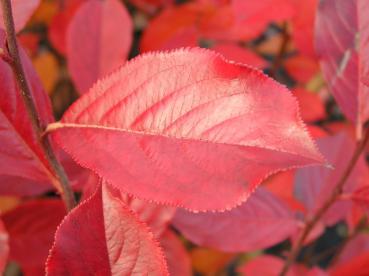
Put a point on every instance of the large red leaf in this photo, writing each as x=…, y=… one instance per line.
x=260, y=222
x=314, y=185
x=342, y=34
x=31, y=227
x=103, y=237
x=4, y=247
x=22, y=11
x=20, y=153
x=98, y=40
x=169, y=124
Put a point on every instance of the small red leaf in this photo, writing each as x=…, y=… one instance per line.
x=302, y=68
x=311, y=105
x=260, y=222
x=151, y=6
x=281, y=185
x=161, y=134
x=303, y=26
x=31, y=227
x=361, y=196
x=355, y=247
x=98, y=40
x=179, y=263
x=58, y=27
x=102, y=237
x=342, y=33
x=252, y=17
x=174, y=27
x=22, y=11
x=265, y=265
x=357, y=266
x=314, y=185
x=268, y=265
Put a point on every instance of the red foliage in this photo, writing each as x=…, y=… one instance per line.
x=342, y=33
x=105, y=225
x=31, y=227
x=166, y=152
x=98, y=40
x=234, y=230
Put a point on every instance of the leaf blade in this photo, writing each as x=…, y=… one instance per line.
x=201, y=131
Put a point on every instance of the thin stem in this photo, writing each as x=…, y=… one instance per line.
x=331, y=199
x=57, y=169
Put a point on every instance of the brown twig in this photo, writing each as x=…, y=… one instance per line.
x=331, y=199
x=57, y=169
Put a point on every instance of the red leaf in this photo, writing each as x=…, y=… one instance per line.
x=31, y=227
x=57, y=30
x=174, y=27
x=151, y=6
x=167, y=134
x=243, y=55
x=21, y=155
x=4, y=247
x=361, y=196
x=303, y=26
x=342, y=33
x=311, y=105
x=101, y=236
x=268, y=265
x=252, y=17
x=314, y=185
x=357, y=266
x=98, y=40
x=302, y=68
x=19, y=186
x=22, y=11
x=234, y=231
x=356, y=246
x=179, y=263
x=265, y=265
x=281, y=185
x=157, y=217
